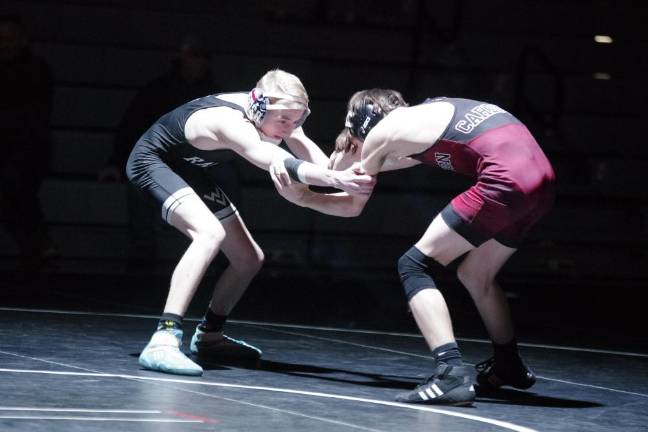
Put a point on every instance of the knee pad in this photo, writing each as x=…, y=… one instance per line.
x=413, y=269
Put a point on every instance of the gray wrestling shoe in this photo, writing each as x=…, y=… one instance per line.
x=216, y=345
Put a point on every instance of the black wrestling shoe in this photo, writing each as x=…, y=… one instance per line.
x=514, y=372
x=448, y=385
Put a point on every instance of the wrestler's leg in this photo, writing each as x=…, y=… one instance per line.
x=477, y=273
x=191, y=217
x=451, y=381
x=245, y=260
x=442, y=245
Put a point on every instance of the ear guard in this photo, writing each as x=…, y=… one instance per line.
x=361, y=123
x=259, y=104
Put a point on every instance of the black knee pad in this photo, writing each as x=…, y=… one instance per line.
x=414, y=268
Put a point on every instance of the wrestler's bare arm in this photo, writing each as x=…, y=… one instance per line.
x=305, y=148
x=404, y=132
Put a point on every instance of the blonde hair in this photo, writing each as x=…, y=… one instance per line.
x=280, y=85
x=386, y=100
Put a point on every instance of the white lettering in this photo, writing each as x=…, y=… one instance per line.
x=476, y=116
x=216, y=196
x=198, y=161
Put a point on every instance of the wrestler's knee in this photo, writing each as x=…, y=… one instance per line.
x=250, y=262
x=209, y=237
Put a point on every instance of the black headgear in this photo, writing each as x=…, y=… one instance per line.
x=361, y=122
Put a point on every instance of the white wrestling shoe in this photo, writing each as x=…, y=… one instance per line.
x=163, y=354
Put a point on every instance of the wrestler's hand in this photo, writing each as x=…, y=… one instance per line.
x=278, y=173
x=354, y=181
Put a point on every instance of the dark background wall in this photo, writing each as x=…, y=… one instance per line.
x=583, y=267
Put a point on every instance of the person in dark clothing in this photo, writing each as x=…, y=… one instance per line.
x=25, y=107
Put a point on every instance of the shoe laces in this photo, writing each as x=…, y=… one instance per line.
x=486, y=365
x=441, y=371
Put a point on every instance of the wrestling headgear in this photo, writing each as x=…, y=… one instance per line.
x=361, y=122
x=259, y=103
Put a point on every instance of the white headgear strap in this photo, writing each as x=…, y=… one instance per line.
x=259, y=103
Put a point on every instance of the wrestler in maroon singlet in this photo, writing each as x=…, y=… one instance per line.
x=515, y=181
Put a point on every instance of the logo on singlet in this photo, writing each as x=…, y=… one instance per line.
x=444, y=161
x=198, y=161
x=217, y=196
x=477, y=116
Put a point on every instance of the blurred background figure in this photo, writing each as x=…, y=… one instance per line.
x=25, y=107
x=188, y=77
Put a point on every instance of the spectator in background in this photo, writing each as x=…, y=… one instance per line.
x=25, y=107
x=188, y=77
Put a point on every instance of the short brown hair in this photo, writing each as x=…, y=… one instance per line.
x=386, y=100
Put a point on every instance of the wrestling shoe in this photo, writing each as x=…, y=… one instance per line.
x=448, y=385
x=216, y=345
x=163, y=354
x=514, y=372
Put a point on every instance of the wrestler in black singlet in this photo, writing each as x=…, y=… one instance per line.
x=164, y=164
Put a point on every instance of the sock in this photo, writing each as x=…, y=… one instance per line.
x=212, y=322
x=448, y=353
x=507, y=351
x=169, y=321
